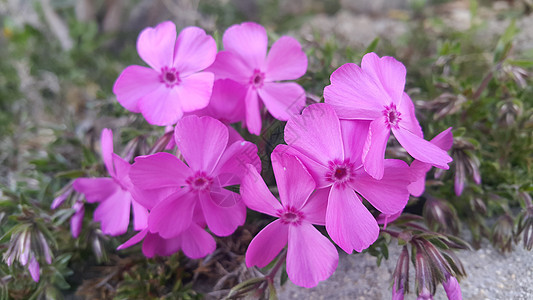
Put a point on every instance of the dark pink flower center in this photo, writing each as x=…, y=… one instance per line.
x=199, y=181
x=289, y=215
x=340, y=172
x=392, y=116
x=257, y=79
x=169, y=76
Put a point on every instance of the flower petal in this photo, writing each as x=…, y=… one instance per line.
x=354, y=134
x=196, y=242
x=95, y=189
x=173, y=215
x=227, y=101
x=134, y=239
x=229, y=65
x=452, y=288
x=267, y=244
x=311, y=257
x=76, y=221
x=316, y=169
x=387, y=73
x=390, y=194
x=150, y=197
x=316, y=133
x=232, y=165
x=282, y=100
x=418, y=173
x=201, y=141
x=315, y=208
x=156, y=45
x=295, y=184
x=348, y=222
x=443, y=140
x=34, y=269
x=408, y=116
x=114, y=213
x=162, y=106
x=122, y=170
x=195, y=90
x=106, y=142
x=222, y=221
x=354, y=95
x=256, y=194
x=158, y=170
x=154, y=245
x=194, y=50
x=140, y=216
x=285, y=60
x=253, y=113
x=421, y=149
x=248, y=40
x=133, y=84
x=375, y=145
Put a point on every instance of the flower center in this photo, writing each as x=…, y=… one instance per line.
x=169, y=76
x=257, y=79
x=392, y=116
x=340, y=172
x=199, y=181
x=290, y=215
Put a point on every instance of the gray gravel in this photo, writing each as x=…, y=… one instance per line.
x=490, y=275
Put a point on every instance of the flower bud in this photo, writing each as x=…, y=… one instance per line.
x=441, y=216
x=502, y=235
x=401, y=276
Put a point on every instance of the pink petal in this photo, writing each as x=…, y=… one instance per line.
x=349, y=224
x=230, y=65
x=154, y=245
x=114, y=213
x=249, y=41
x=201, y=141
x=390, y=194
x=156, y=45
x=408, y=117
x=354, y=134
x=162, y=106
x=282, y=100
x=196, y=242
x=34, y=269
x=173, y=215
x=140, y=216
x=106, y=142
x=354, y=95
x=194, y=51
x=375, y=145
x=315, y=208
x=385, y=219
x=256, y=194
x=134, y=239
x=222, y=221
x=158, y=170
x=316, y=133
x=421, y=149
x=253, y=114
x=387, y=73
x=295, y=184
x=76, y=221
x=134, y=83
x=150, y=197
x=223, y=197
x=122, y=170
x=311, y=257
x=418, y=174
x=267, y=244
x=453, y=289
x=232, y=165
x=316, y=169
x=195, y=90
x=444, y=140
x=227, y=101
x=285, y=60
x=95, y=189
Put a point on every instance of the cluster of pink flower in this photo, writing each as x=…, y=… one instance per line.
x=334, y=155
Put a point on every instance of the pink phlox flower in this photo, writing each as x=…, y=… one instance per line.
x=331, y=150
x=245, y=60
x=112, y=193
x=174, y=83
x=375, y=92
x=443, y=140
x=311, y=257
x=227, y=102
x=452, y=288
x=212, y=164
x=194, y=241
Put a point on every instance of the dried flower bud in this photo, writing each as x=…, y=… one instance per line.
x=441, y=216
x=478, y=205
x=502, y=235
x=464, y=161
x=425, y=285
x=444, y=105
x=508, y=111
x=400, y=284
x=525, y=222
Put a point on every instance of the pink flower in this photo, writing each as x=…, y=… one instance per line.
x=452, y=288
x=76, y=221
x=174, y=84
x=113, y=193
x=227, y=102
x=375, y=92
x=331, y=151
x=212, y=164
x=310, y=256
x=443, y=140
x=194, y=241
x=245, y=60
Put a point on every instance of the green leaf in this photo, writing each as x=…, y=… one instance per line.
x=372, y=46
x=284, y=276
